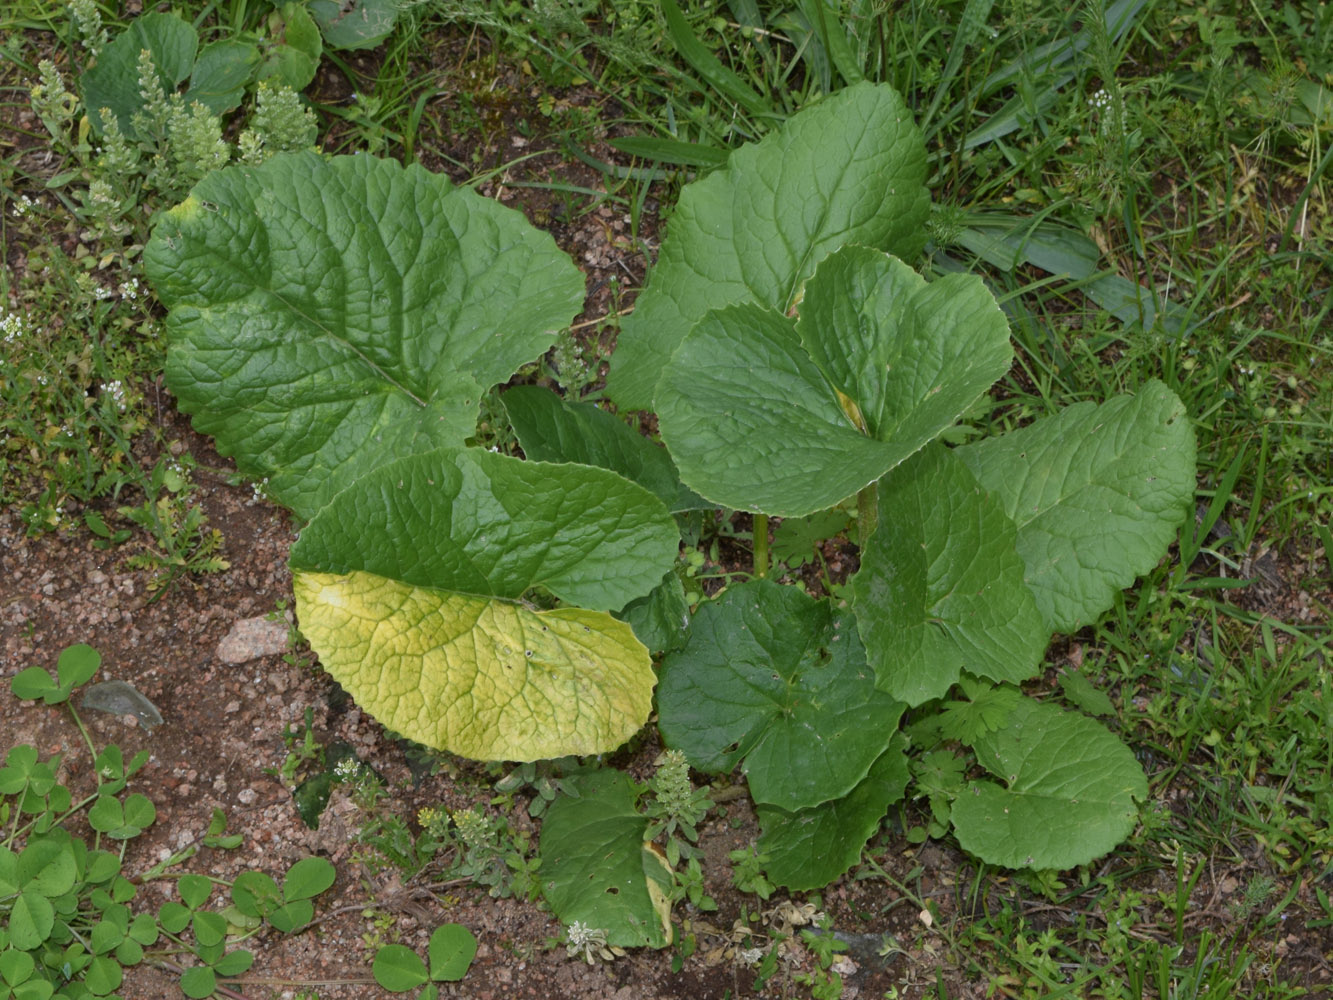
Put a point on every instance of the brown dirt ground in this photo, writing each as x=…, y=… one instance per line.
x=223, y=738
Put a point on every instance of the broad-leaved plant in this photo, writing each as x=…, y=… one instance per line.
x=333, y=323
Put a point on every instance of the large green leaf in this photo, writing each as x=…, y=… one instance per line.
x=113, y=81
x=808, y=849
x=355, y=24
x=940, y=589
x=293, y=54
x=220, y=74
x=773, y=677
x=1097, y=492
x=552, y=429
x=328, y=315
x=848, y=170
x=598, y=870
x=408, y=586
x=1069, y=794
x=765, y=414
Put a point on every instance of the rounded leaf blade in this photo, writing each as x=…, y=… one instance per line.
x=774, y=678
x=1068, y=797
x=452, y=949
x=1097, y=493
x=486, y=679
x=786, y=417
x=329, y=314
x=398, y=968
x=753, y=425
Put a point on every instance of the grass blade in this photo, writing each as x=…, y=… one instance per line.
x=707, y=65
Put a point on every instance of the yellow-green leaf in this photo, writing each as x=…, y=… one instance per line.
x=484, y=678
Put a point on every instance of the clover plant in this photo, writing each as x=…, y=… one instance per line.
x=333, y=323
x=68, y=926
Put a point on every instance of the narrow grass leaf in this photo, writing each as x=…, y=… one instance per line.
x=708, y=66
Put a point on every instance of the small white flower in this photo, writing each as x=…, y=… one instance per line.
x=347, y=770
x=115, y=390
x=587, y=942
x=14, y=327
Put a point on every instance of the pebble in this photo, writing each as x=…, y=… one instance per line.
x=252, y=638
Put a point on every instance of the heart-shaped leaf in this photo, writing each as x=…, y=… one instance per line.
x=940, y=589
x=418, y=612
x=355, y=24
x=31, y=918
x=295, y=57
x=398, y=968
x=308, y=878
x=786, y=417
x=113, y=81
x=328, y=315
x=220, y=74
x=46, y=865
x=1097, y=492
x=1069, y=792
x=199, y=982
x=598, y=870
x=777, y=679
x=851, y=169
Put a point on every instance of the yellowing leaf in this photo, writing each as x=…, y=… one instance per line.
x=485, y=678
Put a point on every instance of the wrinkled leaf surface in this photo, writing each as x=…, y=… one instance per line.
x=331, y=314
x=771, y=677
x=418, y=615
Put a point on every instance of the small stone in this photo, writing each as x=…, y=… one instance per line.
x=232, y=706
x=251, y=638
x=246, y=796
